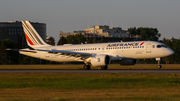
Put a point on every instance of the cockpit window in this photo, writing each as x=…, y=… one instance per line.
x=160, y=46
x=164, y=46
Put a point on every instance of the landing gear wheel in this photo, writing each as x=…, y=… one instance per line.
x=104, y=67
x=87, y=67
x=159, y=60
x=159, y=66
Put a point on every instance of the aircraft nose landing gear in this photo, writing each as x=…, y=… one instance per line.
x=159, y=65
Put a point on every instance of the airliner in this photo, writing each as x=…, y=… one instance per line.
x=97, y=55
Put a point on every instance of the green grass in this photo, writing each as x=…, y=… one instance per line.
x=154, y=98
x=60, y=81
x=89, y=87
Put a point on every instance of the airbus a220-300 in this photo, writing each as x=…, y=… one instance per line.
x=97, y=55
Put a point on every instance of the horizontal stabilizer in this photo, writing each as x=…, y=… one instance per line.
x=23, y=50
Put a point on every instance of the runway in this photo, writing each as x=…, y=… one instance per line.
x=119, y=71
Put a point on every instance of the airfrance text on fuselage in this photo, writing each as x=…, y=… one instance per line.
x=123, y=44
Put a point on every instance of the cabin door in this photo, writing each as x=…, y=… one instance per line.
x=148, y=48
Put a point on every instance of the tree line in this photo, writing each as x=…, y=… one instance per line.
x=145, y=33
x=79, y=39
x=13, y=57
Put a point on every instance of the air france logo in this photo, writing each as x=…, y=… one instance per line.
x=124, y=44
x=141, y=43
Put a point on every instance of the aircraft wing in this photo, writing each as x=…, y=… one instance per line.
x=78, y=55
x=67, y=53
x=81, y=55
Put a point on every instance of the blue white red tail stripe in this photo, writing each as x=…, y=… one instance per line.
x=32, y=37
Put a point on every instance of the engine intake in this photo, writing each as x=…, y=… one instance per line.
x=100, y=60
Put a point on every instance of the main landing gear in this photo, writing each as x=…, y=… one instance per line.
x=87, y=67
x=159, y=65
x=104, y=67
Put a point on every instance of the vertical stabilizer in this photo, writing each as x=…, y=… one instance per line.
x=32, y=37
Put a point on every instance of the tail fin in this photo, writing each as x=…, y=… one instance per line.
x=32, y=37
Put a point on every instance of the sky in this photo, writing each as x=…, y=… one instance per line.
x=73, y=15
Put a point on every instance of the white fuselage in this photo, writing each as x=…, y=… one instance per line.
x=117, y=51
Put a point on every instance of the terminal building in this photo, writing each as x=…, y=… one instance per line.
x=13, y=30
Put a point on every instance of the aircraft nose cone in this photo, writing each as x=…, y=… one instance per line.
x=172, y=52
x=169, y=52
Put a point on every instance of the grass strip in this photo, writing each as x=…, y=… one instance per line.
x=88, y=87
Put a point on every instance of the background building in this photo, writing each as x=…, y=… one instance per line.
x=13, y=30
x=113, y=34
x=104, y=30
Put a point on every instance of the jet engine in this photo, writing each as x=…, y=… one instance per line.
x=100, y=60
x=128, y=62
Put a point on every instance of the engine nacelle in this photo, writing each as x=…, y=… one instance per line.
x=100, y=60
x=128, y=62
